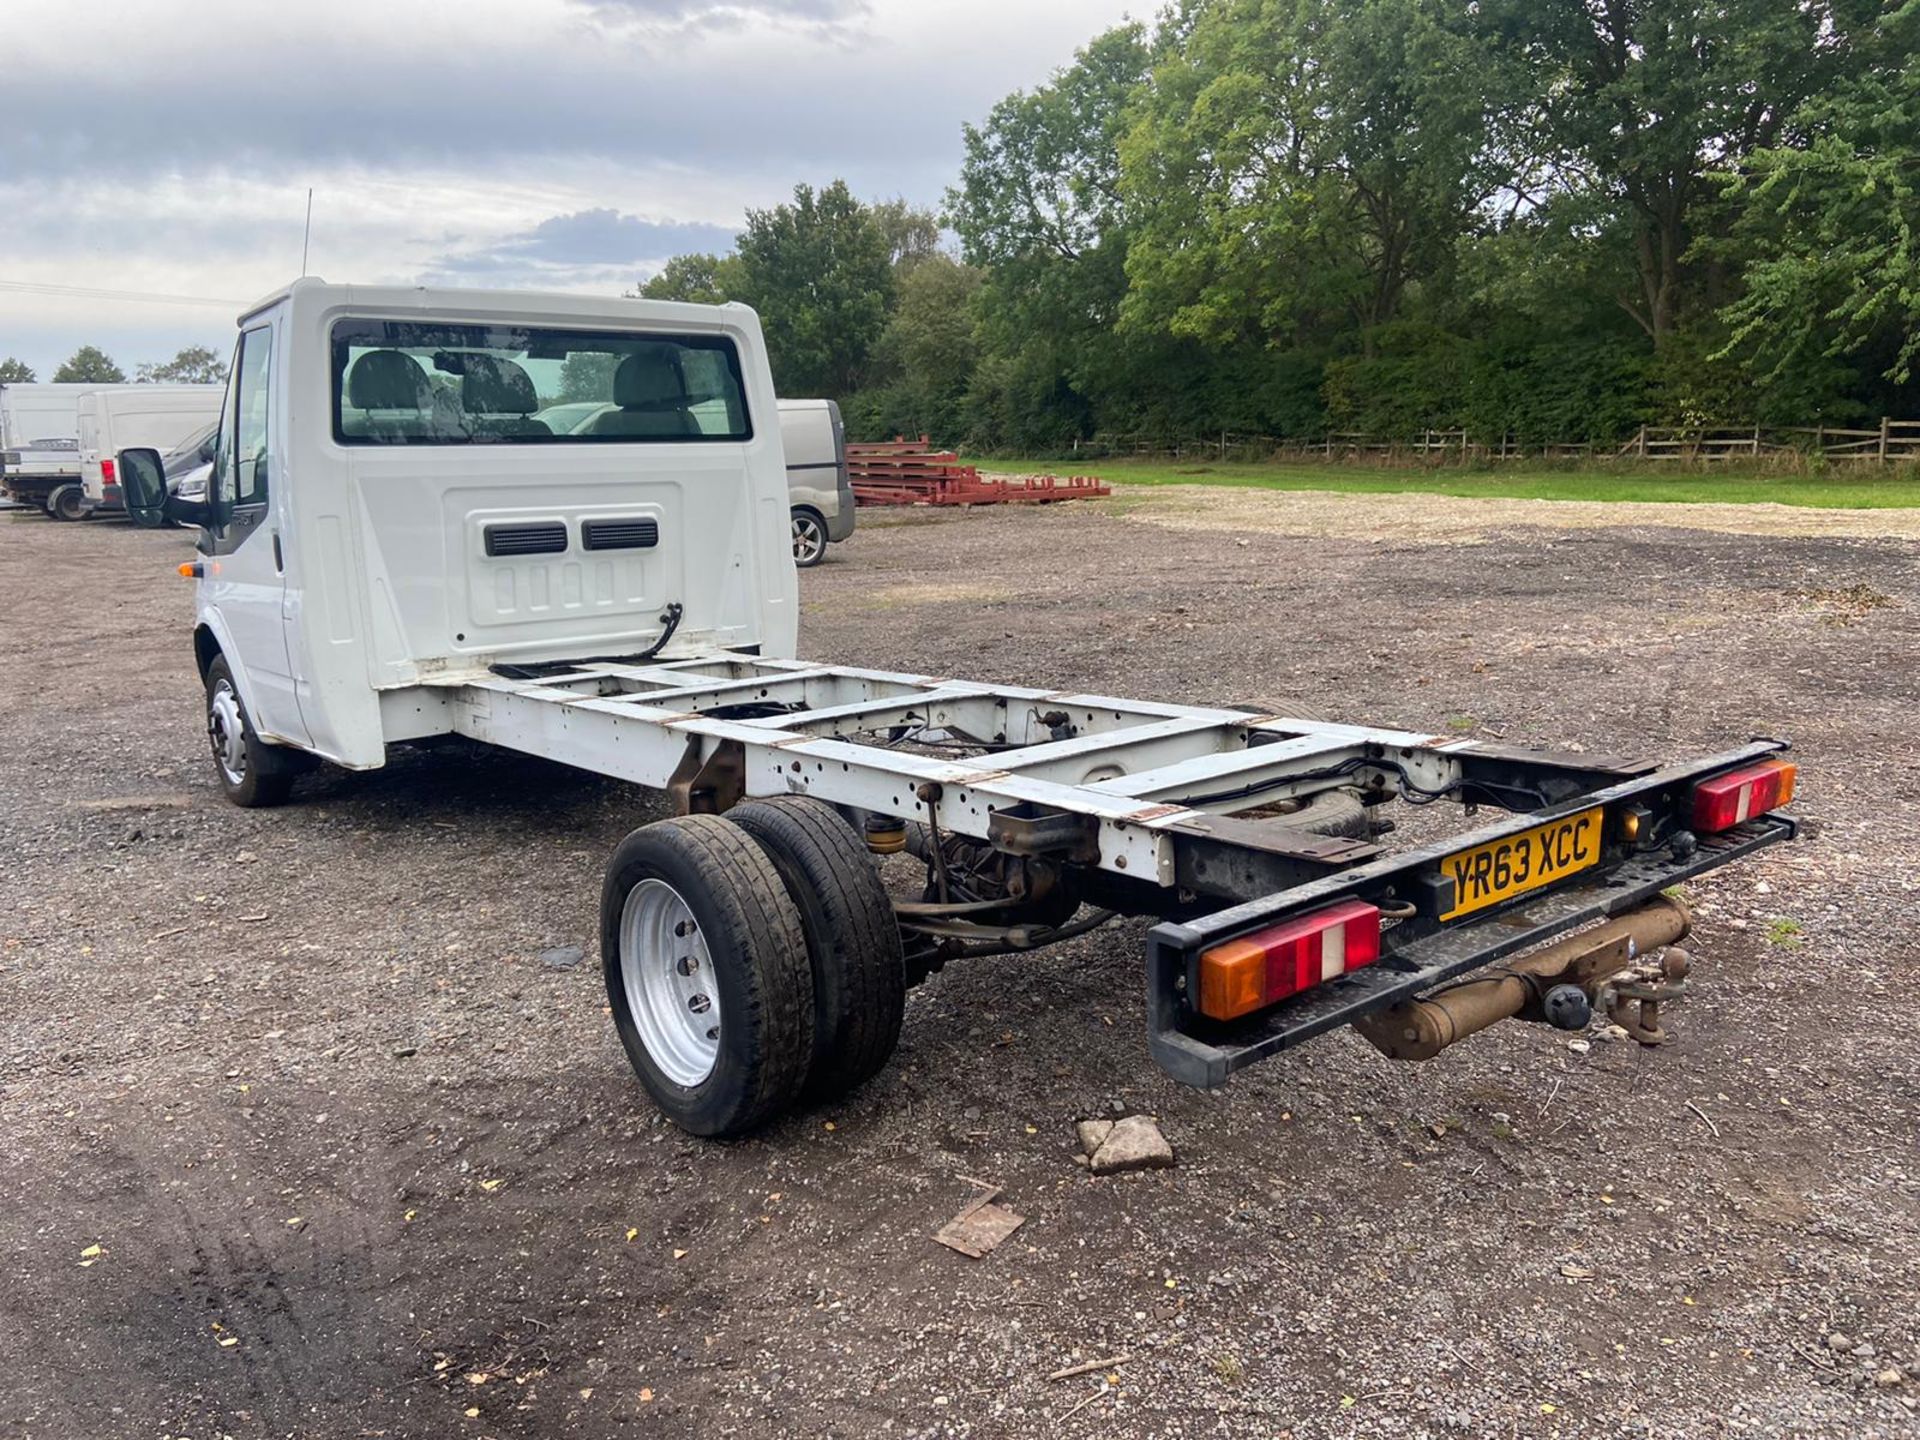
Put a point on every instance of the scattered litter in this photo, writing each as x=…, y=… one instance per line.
x=980, y=1226
x=491, y=1185
x=1087, y=1369
x=1576, y=1272
x=562, y=957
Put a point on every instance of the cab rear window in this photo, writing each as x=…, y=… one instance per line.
x=398, y=382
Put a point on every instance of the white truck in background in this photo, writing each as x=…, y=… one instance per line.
x=112, y=418
x=40, y=447
x=819, y=484
x=393, y=547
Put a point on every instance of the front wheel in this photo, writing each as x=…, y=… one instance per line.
x=707, y=974
x=809, y=539
x=253, y=774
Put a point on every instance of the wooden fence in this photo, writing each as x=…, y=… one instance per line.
x=1891, y=442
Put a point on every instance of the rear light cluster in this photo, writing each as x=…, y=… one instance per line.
x=1724, y=801
x=107, y=471
x=1257, y=970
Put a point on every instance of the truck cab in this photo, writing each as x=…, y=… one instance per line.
x=384, y=507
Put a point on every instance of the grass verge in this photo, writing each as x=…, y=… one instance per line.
x=1846, y=490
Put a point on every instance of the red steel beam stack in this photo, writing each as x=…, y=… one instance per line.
x=912, y=472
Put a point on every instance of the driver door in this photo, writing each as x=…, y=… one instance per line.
x=245, y=573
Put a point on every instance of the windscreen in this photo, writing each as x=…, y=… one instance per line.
x=402, y=382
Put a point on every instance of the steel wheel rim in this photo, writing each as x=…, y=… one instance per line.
x=807, y=539
x=227, y=733
x=667, y=973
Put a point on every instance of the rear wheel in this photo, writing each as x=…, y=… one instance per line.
x=707, y=974
x=859, y=970
x=253, y=774
x=809, y=539
x=67, y=502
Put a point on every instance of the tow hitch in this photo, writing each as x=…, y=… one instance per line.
x=1606, y=968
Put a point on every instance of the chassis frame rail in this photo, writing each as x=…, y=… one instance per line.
x=1142, y=789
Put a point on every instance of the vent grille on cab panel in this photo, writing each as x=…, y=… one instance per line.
x=545, y=537
x=631, y=534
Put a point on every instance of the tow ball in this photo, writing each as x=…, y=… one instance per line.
x=1632, y=999
x=1607, y=968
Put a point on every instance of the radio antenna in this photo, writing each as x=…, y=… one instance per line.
x=306, y=234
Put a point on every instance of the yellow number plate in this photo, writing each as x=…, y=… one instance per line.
x=1501, y=869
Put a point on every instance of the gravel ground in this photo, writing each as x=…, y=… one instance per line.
x=358, y=1162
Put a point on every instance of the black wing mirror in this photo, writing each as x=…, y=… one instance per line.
x=143, y=489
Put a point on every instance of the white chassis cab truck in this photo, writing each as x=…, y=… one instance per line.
x=392, y=547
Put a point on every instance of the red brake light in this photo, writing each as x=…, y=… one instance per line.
x=1248, y=974
x=107, y=471
x=1724, y=801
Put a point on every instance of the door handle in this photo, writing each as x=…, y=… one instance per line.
x=279, y=561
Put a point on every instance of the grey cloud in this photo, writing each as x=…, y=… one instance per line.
x=607, y=101
x=598, y=237
x=686, y=14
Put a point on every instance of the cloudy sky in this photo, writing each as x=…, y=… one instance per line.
x=571, y=144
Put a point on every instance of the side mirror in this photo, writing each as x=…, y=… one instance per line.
x=143, y=487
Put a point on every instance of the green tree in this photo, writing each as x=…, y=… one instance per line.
x=702, y=279
x=913, y=233
x=89, y=365
x=1832, y=227
x=819, y=271
x=1300, y=165
x=1643, y=100
x=194, y=365
x=926, y=357
x=1039, y=209
x=15, y=372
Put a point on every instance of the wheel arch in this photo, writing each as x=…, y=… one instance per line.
x=206, y=649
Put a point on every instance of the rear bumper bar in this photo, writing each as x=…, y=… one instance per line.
x=1422, y=952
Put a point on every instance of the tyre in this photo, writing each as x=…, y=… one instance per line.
x=809, y=538
x=67, y=502
x=253, y=774
x=707, y=974
x=859, y=969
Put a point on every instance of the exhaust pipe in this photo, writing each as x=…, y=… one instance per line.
x=1556, y=985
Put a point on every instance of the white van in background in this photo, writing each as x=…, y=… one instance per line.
x=39, y=447
x=818, y=483
x=122, y=417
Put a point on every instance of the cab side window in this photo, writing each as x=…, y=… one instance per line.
x=250, y=417
x=220, y=482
